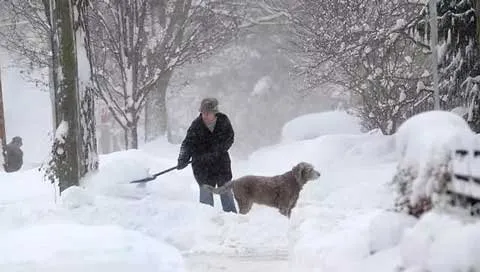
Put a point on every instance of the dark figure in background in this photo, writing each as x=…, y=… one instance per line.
x=13, y=155
x=207, y=142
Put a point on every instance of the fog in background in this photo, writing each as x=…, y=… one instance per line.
x=253, y=77
x=254, y=81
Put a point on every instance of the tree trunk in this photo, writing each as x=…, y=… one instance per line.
x=88, y=155
x=475, y=120
x=156, y=109
x=74, y=148
x=476, y=7
x=131, y=136
x=65, y=151
x=49, y=14
x=3, y=136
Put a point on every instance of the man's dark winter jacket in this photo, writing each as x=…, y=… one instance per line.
x=209, y=150
x=13, y=157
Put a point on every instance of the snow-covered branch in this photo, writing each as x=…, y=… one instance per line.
x=137, y=43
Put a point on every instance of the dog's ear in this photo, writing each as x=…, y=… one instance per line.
x=298, y=172
x=303, y=172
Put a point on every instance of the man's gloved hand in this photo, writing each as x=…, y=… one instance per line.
x=181, y=164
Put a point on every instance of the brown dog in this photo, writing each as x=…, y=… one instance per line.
x=280, y=191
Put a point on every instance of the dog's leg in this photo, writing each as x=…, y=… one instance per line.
x=283, y=211
x=292, y=204
x=244, y=206
x=288, y=211
x=283, y=203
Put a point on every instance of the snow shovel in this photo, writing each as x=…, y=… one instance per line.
x=154, y=176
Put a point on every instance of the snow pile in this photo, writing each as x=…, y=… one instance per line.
x=166, y=209
x=118, y=169
x=188, y=225
x=324, y=152
x=76, y=197
x=425, y=144
x=321, y=152
x=317, y=124
x=349, y=240
x=386, y=230
x=72, y=247
x=23, y=186
x=319, y=243
x=115, y=172
x=372, y=148
x=384, y=241
x=436, y=242
x=443, y=243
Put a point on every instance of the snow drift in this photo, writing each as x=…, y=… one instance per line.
x=441, y=242
x=313, y=125
x=72, y=247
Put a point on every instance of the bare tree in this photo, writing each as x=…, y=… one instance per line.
x=131, y=61
x=137, y=46
x=389, y=82
x=363, y=46
x=26, y=32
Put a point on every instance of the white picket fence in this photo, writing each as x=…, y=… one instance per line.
x=465, y=181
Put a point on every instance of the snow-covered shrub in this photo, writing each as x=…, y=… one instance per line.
x=424, y=146
x=314, y=125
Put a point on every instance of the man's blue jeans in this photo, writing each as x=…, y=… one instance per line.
x=228, y=204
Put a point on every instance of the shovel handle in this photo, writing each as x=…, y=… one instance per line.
x=154, y=176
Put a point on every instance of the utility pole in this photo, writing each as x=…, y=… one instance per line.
x=433, y=45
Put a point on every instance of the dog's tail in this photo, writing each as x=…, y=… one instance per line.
x=220, y=190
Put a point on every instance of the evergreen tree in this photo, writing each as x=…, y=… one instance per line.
x=458, y=54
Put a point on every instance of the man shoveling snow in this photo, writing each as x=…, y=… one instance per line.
x=207, y=142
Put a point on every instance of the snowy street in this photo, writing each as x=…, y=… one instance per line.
x=214, y=263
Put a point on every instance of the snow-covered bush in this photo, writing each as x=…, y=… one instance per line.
x=314, y=125
x=424, y=144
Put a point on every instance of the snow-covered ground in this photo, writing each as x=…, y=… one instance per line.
x=343, y=221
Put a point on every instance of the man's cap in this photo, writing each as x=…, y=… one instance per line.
x=209, y=104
